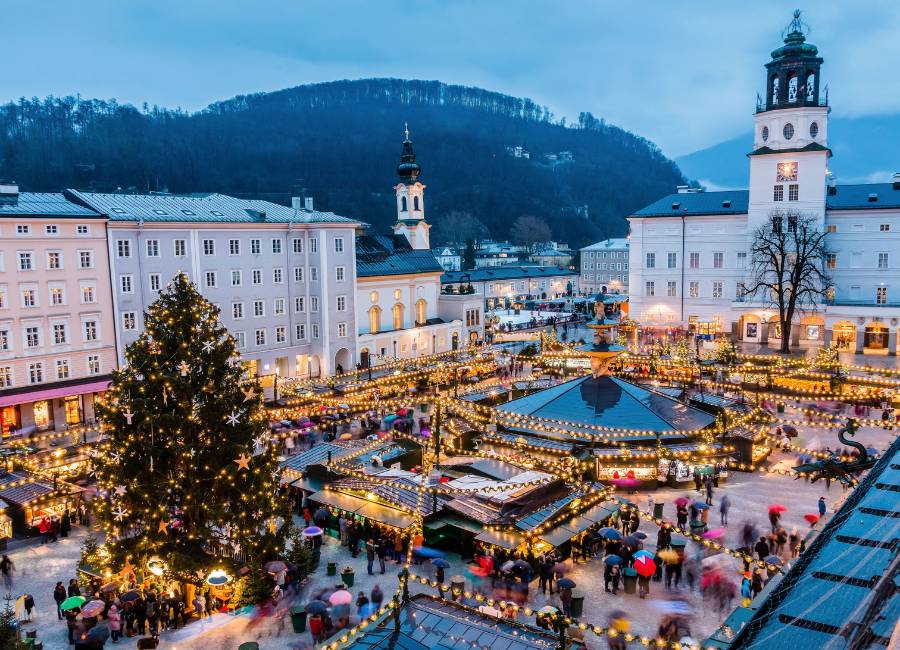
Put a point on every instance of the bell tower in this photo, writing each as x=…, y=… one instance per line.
x=788, y=164
x=411, y=198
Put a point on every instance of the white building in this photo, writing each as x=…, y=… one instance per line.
x=448, y=257
x=604, y=267
x=398, y=284
x=689, y=252
x=508, y=286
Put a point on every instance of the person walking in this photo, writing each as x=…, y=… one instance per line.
x=709, y=490
x=376, y=597
x=6, y=568
x=724, y=507
x=370, y=555
x=44, y=529
x=822, y=507
x=59, y=595
x=381, y=550
x=762, y=548
x=199, y=605
x=115, y=623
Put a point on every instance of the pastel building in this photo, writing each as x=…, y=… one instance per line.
x=57, y=335
x=604, y=266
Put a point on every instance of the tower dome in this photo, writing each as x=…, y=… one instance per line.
x=408, y=170
x=793, y=73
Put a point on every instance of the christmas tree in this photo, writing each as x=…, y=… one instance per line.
x=186, y=469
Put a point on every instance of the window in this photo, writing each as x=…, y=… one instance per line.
x=778, y=193
x=6, y=379
x=234, y=246
x=277, y=275
x=23, y=229
x=180, y=247
x=54, y=260
x=671, y=288
x=29, y=297
x=125, y=284
x=211, y=279
x=51, y=229
x=209, y=246
x=882, y=260
x=152, y=248
x=237, y=310
x=36, y=372
x=881, y=295
x=87, y=294
x=341, y=303
x=650, y=289
x=259, y=308
x=717, y=290
x=90, y=330
x=123, y=248
x=62, y=368
x=280, y=334
x=776, y=224
x=298, y=274
x=299, y=304
x=313, y=245
x=57, y=296
x=718, y=260
x=279, y=306
x=129, y=320
x=694, y=289
x=261, y=337
x=339, y=273
x=788, y=130
x=338, y=244
x=301, y=332
x=315, y=330
x=93, y=364
x=25, y=261
x=671, y=260
x=254, y=246
x=651, y=260
x=793, y=192
x=856, y=260
x=740, y=290
x=342, y=329
x=741, y=260
x=82, y=229
x=4, y=340
x=155, y=282
x=86, y=259
x=830, y=260
x=695, y=260
x=240, y=340
x=276, y=246
x=32, y=337
x=314, y=303
x=257, y=276
x=885, y=227
x=298, y=245
x=314, y=274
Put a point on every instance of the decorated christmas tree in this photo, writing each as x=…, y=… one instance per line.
x=187, y=474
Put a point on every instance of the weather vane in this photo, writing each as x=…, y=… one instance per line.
x=406, y=130
x=796, y=25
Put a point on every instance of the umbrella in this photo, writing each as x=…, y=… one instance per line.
x=402, y=412
x=773, y=559
x=521, y=564
x=669, y=556
x=811, y=518
x=507, y=566
x=109, y=587
x=645, y=566
x=701, y=505
x=641, y=535
x=275, y=566
x=441, y=563
x=312, y=531
x=681, y=501
x=340, y=611
x=631, y=541
x=561, y=568
x=610, y=533
x=72, y=602
x=777, y=507
x=673, y=607
x=341, y=597
x=547, y=609
x=98, y=634
x=789, y=430
x=93, y=608
x=714, y=533
x=612, y=560
x=565, y=583
x=128, y=596
x=642, y=553
x=424, y=551
x=316, y=607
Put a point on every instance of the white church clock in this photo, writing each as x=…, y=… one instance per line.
x=787, y=172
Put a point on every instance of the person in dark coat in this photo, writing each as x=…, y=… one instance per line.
x=74, y=589
x=66, y=524
x=762, y=548
x=59, y=595
x=663, y=537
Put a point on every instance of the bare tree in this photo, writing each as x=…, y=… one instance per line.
x=788, y=267
x=529, y=230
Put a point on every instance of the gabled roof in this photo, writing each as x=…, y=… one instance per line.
x=606, y=244
x=505, y=273
x=392, y=255
x=697, y=203
x=197, y=208
x=44, y=204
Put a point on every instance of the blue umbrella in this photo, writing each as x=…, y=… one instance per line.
x=424, y=551
x=612, y=560
x=439, y=562
x=700, y=505
x=643, y=553
x=610, y=533
x=316, y=607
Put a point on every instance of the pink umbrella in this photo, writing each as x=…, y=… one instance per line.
x=681, y=501
x=93, y=608
x=341, y=597
x=714, y=533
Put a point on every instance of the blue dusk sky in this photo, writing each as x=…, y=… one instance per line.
x=683, y=74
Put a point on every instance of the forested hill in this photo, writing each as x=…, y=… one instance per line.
x=341, y=140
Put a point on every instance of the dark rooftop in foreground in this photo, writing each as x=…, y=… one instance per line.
x=392, y=255
x=610, y=402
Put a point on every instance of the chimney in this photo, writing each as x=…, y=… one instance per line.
x=897, y=180
x=308, y=203
x=9, y=191
x=832, y=184
x=297, y=202
x=682, y=189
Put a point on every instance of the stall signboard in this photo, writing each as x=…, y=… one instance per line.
x=623, y=473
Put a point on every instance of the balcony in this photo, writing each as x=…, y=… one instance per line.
x=844, y=302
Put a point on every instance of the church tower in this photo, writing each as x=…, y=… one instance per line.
x=411, y=199
x=788, y=164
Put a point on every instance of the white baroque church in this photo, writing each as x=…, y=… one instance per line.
x=690, y=251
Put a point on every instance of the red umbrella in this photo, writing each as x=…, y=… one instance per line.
x=402, y=412
x=811, y=518
x=645, y=566
x=777, y=507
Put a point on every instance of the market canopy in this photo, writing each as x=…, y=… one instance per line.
x=386, y=515
x=505, y=539
x=338, y=500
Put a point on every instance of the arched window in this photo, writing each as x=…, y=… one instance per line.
x=776, y=82
x=374, y=320
x=421, y=316
x=416, y=203
x=398, y=316
x=810, y=87
x=792, y=89
x=402, y=204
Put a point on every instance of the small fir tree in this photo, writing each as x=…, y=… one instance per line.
x=186, y=469
x=9, y=627
x=300, y=555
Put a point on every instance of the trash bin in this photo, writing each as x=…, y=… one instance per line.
x=298, y=618
x=577, y=607
x=457, y=586
x=630, y=578
x=781, y=407
x=698, y=527
x=332, y=568
x=658, y=509
x=249, y=645
x=347, y=578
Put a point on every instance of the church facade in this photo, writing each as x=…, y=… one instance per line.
x=690, y=254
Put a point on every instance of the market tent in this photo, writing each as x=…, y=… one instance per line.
x=386, y=515
x=508, y=540
x=566, y=531
x=339, y=500
x=600, y=511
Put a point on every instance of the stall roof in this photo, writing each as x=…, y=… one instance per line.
x=338, y=500
x=386, y=515
x=544, y=443
x=509, y=540
x=20, y=488
x=318, y=454
x=363, y=507
x=401, y=492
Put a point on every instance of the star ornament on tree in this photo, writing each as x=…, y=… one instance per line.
x=119, y=490
x=243, y=461
x=234, y=418
x=163, y=527
x=120, y=513
x=208, y=347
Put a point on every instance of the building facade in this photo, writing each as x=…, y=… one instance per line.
x=604, y=267
x=507, y=286
x=57, y=335
x=690, y=256
x=448, y=257
x=282, y=277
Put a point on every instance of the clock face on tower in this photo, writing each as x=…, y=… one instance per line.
x=787, y=172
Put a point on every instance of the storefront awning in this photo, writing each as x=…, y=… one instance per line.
x=385, y=515
x=600, y=512
x=338, y=500
x=507, y=540
x=54, y=393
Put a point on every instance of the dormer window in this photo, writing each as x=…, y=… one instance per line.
x=726, y=204
x=161, y=213
x=675, y=206
x=873, y=197
x=188, y=213
x=118, y=210
x=216, y=213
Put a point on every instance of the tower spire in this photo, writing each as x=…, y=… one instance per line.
x=408, y=170
x=406, y=131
